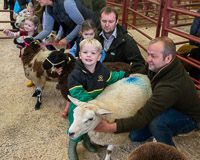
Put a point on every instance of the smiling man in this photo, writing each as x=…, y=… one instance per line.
x=117, y=43
x=174, y=105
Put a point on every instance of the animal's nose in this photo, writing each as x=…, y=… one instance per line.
x=16, y=24
x=71, y=134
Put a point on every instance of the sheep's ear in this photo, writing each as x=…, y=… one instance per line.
x=62, y=50
x=103, y=112
x=75, y=101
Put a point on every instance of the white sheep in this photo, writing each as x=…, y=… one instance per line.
x=119, y=100
x=20, y=18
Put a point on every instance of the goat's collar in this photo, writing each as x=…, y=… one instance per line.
x=26, y=44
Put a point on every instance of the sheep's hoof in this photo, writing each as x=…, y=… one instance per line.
x=37, y=92
x=37, y=106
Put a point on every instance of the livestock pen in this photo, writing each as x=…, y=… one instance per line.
x=41, y=135
x=171, y=18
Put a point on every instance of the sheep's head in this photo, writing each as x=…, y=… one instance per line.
x=56, y=59
x=20, y=18
x=86, y=117
x=19, y=23
x=24, y=41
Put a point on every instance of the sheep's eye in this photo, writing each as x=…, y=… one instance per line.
x=90, y=119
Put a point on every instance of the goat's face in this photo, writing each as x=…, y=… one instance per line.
x=86, y=117
x=55, y=59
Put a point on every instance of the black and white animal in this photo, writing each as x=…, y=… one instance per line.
x=119, y=100
x=32, y=59
x=67, y=62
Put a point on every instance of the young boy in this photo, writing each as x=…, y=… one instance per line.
x=86, y=81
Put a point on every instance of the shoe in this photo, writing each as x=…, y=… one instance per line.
x=87, y=144
x=57, y=87
x=72, y=150
x=30, y=84
x=5, y=6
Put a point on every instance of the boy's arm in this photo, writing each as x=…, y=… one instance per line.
x=115, y=76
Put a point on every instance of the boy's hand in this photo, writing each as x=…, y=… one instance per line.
x=58, y=70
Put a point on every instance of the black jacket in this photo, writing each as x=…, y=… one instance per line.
x=124, y=49
x=171, y=87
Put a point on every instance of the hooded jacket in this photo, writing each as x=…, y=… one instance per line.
x=171, y=87
x=85, y=86
x=124, y=49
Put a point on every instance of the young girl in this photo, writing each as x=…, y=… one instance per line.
x=88, y=30
x=30, y=29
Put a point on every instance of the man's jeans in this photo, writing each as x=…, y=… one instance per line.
x=163, y=127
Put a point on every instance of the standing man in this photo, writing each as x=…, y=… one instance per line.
x=174, y=106
x=195, y=29
x=117, y=43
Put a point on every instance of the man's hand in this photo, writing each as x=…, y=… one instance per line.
x=106, y=127
x=63, y=42
x=133, y=75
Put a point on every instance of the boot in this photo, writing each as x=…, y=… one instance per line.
x=72, y=150
x=30, y=84
x=87, y=144
x=5, y=6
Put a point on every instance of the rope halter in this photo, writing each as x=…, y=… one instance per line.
x=26, y=44
x=55, y=64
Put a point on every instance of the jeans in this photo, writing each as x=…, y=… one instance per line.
x=164, y=126
x=11, y=6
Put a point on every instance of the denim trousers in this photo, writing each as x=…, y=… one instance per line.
x=166, y=125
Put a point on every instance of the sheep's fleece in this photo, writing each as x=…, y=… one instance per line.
x=123, y=98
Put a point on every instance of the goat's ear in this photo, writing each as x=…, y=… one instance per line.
x=75, y=101
x=103, y=112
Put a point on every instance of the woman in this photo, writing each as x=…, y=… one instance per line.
x=69, y=14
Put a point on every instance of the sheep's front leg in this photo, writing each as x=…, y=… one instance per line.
x=39, y=100
x=38, y=94
x=109, y=151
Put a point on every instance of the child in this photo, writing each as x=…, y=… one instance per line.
x=30, y=29
x=88, y=30
x=86, y=81
x=19, y=6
